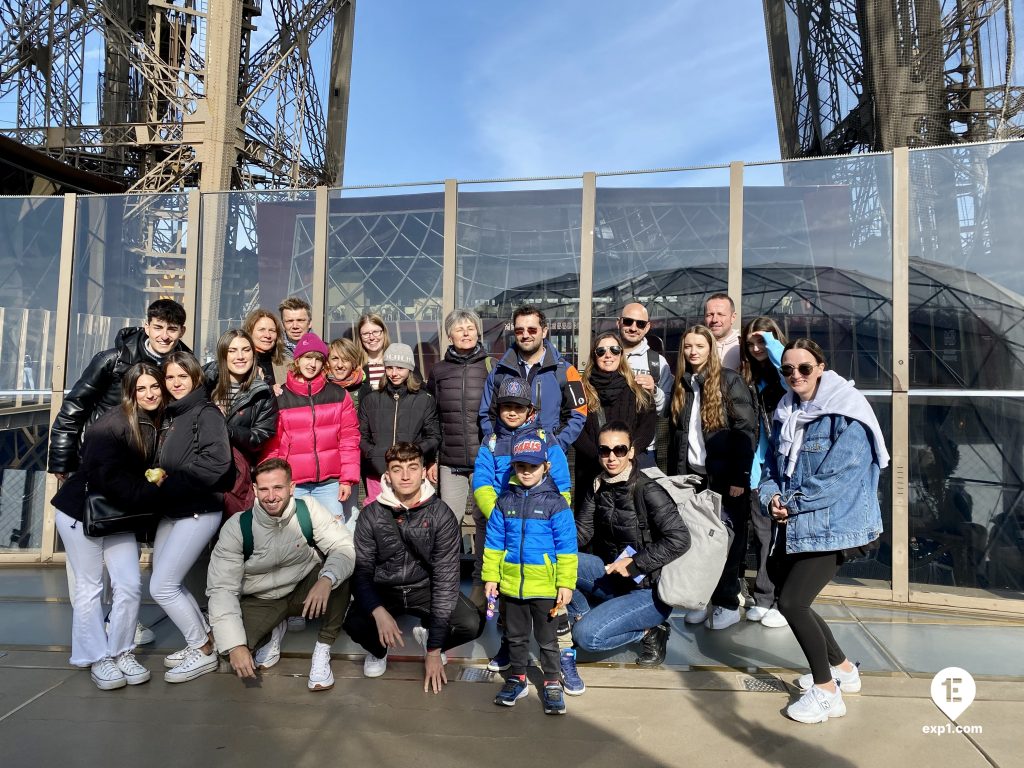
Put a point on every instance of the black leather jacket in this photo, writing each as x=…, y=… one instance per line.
x=252, y=417
x=97, y=390
x=396, y=415
x=457, y=383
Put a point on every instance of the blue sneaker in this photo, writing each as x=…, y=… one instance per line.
x=554, y=703
x=512, y=691
x=501, y=660
x=571, y=680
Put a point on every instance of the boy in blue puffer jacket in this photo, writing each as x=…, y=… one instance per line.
x=531, y=552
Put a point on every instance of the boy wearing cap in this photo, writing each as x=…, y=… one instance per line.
x=401, y=411
x=530, y=557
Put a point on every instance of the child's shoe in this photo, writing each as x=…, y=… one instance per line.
x=554, y=702
x=501, y=660
x=572, y=683
x=514, y=689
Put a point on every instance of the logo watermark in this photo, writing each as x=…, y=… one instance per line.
x=953, y=691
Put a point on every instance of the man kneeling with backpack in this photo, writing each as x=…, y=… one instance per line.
x=284, y=557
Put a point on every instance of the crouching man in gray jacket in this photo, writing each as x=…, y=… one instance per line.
x=267, y=566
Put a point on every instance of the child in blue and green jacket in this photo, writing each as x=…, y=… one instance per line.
x=530, y=556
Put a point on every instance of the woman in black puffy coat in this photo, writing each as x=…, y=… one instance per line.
x=612, y=395
x=195, y=452
x=633, y=529
x=249, y=407
x=713, y=432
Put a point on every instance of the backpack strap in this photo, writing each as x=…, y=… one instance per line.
x=489, y=363
x=640, y=506
x=245, y=524
x=301, y=514
x=305, y=521
x=654, y=365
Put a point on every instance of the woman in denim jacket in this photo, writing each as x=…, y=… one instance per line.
x=821, y=490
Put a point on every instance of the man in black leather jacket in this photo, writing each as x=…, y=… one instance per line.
x=99, y=387
x=407, y=562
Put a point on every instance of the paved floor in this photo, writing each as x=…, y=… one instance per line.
x=718, y=701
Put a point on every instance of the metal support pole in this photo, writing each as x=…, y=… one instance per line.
x=449, y=273
x=587, y=227
x=900, y=374
x=321, y=226
x=190, y=298
x=735, y=284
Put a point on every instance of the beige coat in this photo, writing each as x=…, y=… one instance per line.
x=281, y=558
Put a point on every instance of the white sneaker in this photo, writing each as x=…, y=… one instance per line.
x=849, y=682
x=296, y=623
x=195, y=664
x=143, y=635
x=817, y=705
x=134, y=673
x=420, y=635
x=320, y=676
x=107, y=675
x=756, y=613
x=722, y=618
x=772, y=618
x=270, y=652
x=374, y=667
x=174, y=659
x=696, y=616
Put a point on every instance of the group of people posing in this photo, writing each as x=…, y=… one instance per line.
x=264, y=451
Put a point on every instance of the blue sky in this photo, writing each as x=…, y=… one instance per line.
x=475, y=90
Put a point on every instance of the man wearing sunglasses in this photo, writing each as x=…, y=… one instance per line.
x=720, y=318
x=555, y=383
x=650, y=368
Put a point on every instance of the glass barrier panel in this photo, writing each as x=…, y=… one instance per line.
x=817, y=258
x=129, y=251
x=385, y=255
x=23, y=444
x=966, y=281
x=967, y=495
x=257, y=251
x=520, y=245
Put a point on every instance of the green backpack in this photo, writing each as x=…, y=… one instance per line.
x=301, y=513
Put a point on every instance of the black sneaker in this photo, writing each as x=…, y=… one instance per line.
x=554, y=702
x=512, y=691
x=653, y=645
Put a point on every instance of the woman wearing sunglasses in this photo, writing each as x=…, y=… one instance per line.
x=712, y=434
x=821, y=490
x=613, y=394
x=633, y=529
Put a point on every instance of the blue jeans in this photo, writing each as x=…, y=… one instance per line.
x=620, y=618
x=327, y=494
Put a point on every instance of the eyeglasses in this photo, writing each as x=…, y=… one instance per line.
x=371, y=334
x=531, y=331
x=629, y=322
x=620, y=451
x=805, y=369
x=615, y=349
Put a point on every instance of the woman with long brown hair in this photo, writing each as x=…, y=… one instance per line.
x=713, y=430
x=613, y=394
x=267, y=334
x=374, y=338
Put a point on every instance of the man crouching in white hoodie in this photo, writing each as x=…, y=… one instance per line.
x=284, y=557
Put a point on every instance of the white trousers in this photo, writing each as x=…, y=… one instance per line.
x=87, y=555
x=455, y=490
x=177, y=546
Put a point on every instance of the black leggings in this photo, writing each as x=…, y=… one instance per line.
x=798, y=579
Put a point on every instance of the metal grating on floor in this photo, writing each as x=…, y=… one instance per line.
x=476, y=675
x=762, y=684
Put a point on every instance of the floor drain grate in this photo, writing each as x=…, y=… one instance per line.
x=476, y=675
x=765, y=684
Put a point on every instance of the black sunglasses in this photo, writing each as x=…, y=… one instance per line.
x=620, y=451
x=615, y=349
x=804, y=368
x=628, y=321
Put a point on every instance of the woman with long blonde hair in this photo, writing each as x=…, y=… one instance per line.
x=713, y=432
x=613, y=394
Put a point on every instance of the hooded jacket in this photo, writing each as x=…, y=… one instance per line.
x=317, y=432
x=252, y=415
x=97, y=390
x=395, y=415
x=457, y=384
x=400, y=548
x=195, y=453
x=530, y=549
x=281, y=559
x=557, y=394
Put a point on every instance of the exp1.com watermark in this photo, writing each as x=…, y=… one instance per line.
x=953, y=691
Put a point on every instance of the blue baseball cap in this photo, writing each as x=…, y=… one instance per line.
x=531, y=448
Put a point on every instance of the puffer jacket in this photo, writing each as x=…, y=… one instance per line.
x=396, y=415
x=317, y=432
x=400, y=548
x=195, y=453
x=557, y=394
x=730, y=450
x=281, y=558
x=111, y=466
x=97, y=390
x=609, y=521
x=252, y=416
x=530, y=549
x=457, y=384
x=493, y=466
